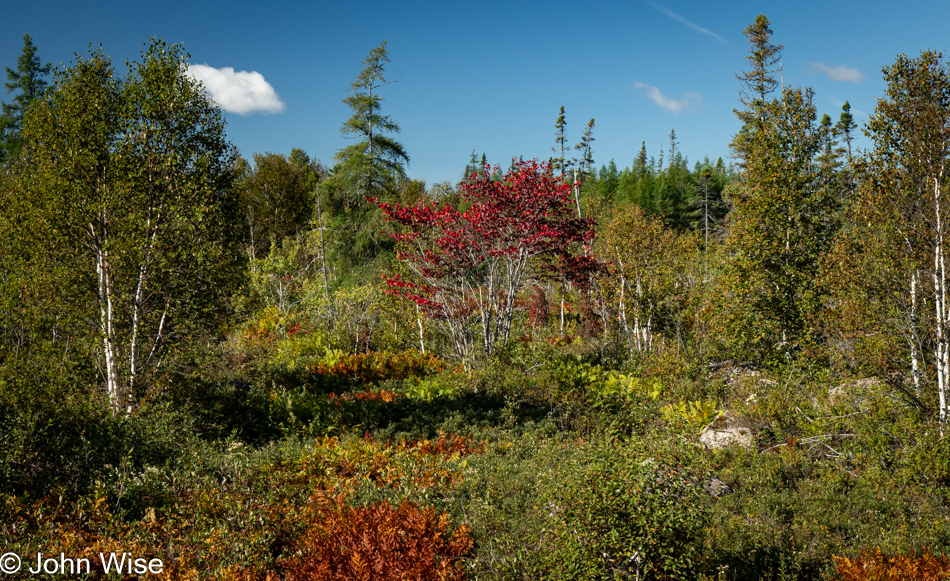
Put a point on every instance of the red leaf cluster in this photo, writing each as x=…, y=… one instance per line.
x=528, y=212
x=472, y=261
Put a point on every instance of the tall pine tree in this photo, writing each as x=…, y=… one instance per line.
x=29, y=80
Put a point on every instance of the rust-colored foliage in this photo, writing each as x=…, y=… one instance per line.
x=447, y=445
x=876, y=566
x=378, y=543
x=539, y=309
x=379, y=366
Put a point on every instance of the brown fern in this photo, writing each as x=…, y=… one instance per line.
x=874, y=565
x=379, y=542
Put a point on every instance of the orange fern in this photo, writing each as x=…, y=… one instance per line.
x=876, y=566
x=380, y=542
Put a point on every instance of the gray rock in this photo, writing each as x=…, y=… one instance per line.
x=716, y=487
x=856, y=392
x=726, y=430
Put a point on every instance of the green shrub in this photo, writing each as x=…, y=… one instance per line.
x=623, y=514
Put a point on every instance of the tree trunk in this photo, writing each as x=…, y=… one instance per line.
x=940, y=306
x=912, y=339
x=622, y=307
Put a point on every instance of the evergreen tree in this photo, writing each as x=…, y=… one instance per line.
x=376, y=159
x=845, y=128
x=609, y=179
x=560, y=145
x=28, y=79
x=709, y=208
x=783, y=216
x=471, y=167
x=673, y=144
x=758, y=82
x=828, y=160
x=641, y=162
x=587, y=159
x=369, y=168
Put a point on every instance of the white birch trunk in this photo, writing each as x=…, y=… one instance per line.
x=422, y=344
x=914, y=357
x=107, y=329
x=562, y=310
x=137, y=304
x=940, y=305
x=622, y=307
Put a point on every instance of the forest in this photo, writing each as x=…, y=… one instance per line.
x=275, y=368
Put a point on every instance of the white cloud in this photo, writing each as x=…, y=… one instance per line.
x=682, y=20
x=689, y=103
x=840, y=73
x=238, y=92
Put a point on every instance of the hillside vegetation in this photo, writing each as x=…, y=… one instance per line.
x=278, y=369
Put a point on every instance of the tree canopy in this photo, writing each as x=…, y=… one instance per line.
x=128, y=211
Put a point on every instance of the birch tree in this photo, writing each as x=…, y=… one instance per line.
x=900, y=218
x=652, y=274
x=127, y=182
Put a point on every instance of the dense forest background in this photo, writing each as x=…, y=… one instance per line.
x=275, y=368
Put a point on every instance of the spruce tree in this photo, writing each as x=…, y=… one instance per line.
x=29, y=80
x=641, y=162
x=369, y=168
x=560, y=145
x=757, y=83
x=845, y=128
x=471, y=167
x=375, y=158
x=784, y=213
x=586, y=161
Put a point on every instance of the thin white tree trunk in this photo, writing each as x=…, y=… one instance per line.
x=622, y=306
x=422, y=343
x=137, y=305
x=577, y=194
x=107, y=329
x=940, y=304
x=914, y=357
x=562, y=309
x=642, y=331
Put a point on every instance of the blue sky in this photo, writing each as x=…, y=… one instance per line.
x=490, y=76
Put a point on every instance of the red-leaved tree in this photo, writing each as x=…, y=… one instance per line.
x=470, y=264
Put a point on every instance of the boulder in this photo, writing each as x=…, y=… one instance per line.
x=716, y=488
x=856, y=392
x=726, y=430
